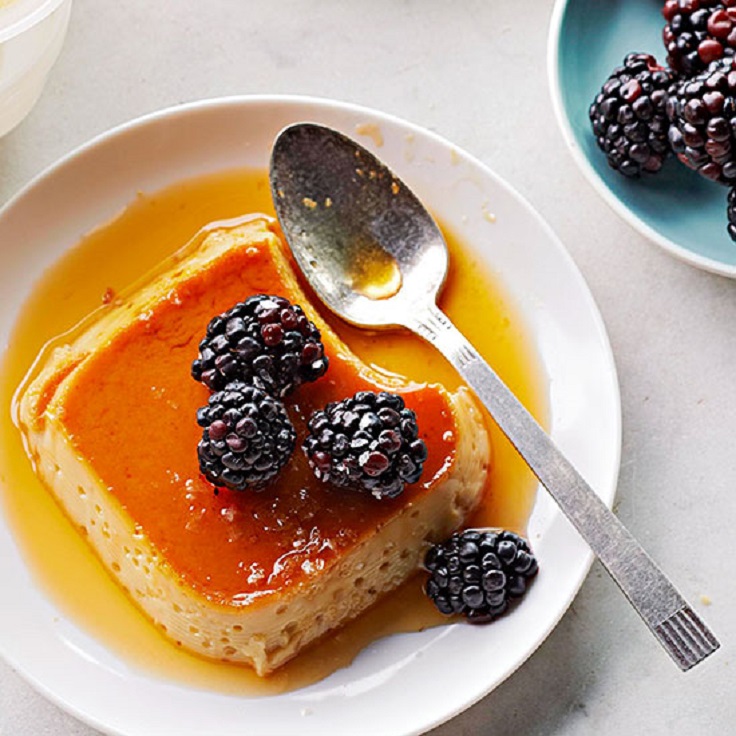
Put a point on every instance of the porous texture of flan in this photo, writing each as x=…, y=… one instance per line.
x=108, y=419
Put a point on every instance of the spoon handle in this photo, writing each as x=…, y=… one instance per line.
x=677, y=627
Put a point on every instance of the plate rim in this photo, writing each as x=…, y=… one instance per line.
x=329, y=104
x=554, y=39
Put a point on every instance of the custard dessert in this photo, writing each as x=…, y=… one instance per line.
x=108, y=419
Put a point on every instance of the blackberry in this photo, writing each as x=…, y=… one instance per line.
x=368, y=442
x=731, y=212
x=628, y=116
x=702, y=112
x=476, y=572
x=265, y=340
x=247, y=437
x=698, y=32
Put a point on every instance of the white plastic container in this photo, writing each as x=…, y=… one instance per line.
x=31, y=36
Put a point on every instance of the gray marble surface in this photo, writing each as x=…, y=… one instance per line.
x=475, y=72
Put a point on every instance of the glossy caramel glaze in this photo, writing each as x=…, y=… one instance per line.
x=130, y=411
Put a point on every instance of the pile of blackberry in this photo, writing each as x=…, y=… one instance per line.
x=251, y=357
x=368, y=442
x=259, y=352
x=476, y=573
x=644, y=112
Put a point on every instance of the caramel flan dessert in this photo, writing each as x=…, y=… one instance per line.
x=246, y=560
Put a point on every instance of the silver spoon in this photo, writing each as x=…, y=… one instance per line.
x=376, y=258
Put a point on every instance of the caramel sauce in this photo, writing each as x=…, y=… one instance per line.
x=375, y=273
x=111, y=258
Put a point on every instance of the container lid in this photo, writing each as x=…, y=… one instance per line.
x=17, y=16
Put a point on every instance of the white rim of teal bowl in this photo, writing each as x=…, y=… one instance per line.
x=553, y=73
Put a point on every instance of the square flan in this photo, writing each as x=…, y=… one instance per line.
x=108, y=419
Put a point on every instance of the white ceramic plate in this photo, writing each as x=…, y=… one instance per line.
x=407, y=683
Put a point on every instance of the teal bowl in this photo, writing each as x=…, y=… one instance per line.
x=678, y=209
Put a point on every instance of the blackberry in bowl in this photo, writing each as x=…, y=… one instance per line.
x=368, y=442
x=628, y=116
x=247, y=437
x=265, y=340
x=698, y=32
x=477, y=572
x=702, y=113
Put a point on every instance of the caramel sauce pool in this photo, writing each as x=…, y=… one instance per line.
x=110, y=259
x=375, y=273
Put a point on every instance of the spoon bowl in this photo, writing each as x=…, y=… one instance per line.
x=376, y=258
x=365, y=242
